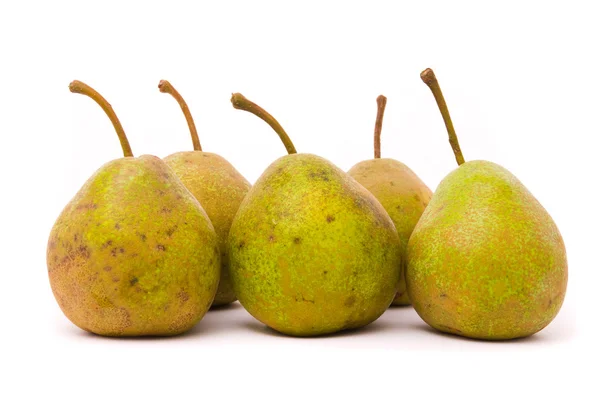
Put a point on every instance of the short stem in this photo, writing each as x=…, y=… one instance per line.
x=166, y=87
x=83, y=89
x=241, y=103
x=381, y=102
x=430, y=80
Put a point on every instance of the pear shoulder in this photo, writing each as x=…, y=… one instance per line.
x=401, y=192
x=214, y=182
x=310, y=181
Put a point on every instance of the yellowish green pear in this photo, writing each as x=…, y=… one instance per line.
x=217, y=185
x=133, y=253
x=311, y=251
x=399, y=190
x=485, y=260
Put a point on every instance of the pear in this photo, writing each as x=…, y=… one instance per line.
x=399, y=190
x=133, y=253
x=217, y=185
x=485, y=260
x=311, y=251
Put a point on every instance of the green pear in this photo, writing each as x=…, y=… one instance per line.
x=486, y=260
x=133, y=253
x=399, y=190
x=311, y=251
x=217, y=185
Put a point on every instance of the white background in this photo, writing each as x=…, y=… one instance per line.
x=521, y=81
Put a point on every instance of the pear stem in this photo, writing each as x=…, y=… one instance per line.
x=166, y=87
x=83, y=89
x=430, y=80
x=241, y=103
x=381, y=102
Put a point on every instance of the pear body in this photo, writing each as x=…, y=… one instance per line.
x=403, y=195
x=311, y=251
x=220, y=189
x=134, y=253
x=486, y=260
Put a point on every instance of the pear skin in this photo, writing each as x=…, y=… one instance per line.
x=311, y=251
x=133, y=254
x=486, y=260
x=403, y=195
x=220, y=189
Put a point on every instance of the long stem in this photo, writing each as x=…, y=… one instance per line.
x=381, y=102
x=430, y=80
x=83, y=89
x=166, y=87
x=241, y=103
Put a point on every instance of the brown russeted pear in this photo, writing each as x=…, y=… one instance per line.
x=401, y=192
x=311, y=251
x=217, y=185
x=133, y=253
x=486, y=260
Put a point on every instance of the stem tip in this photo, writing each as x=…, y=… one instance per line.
x=237, y=99
x=428, y=76
x=164, y=86
x=76, y=86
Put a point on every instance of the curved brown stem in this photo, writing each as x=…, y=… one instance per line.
x=166, y=87
x=381, y=102
x=83, y=89
x=431, y=81
x=241, y=103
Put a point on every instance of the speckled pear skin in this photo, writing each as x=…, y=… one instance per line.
x=311, y=251
x=403, y=195
x=486, y=260
x=134, y=253
x=220, y=189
